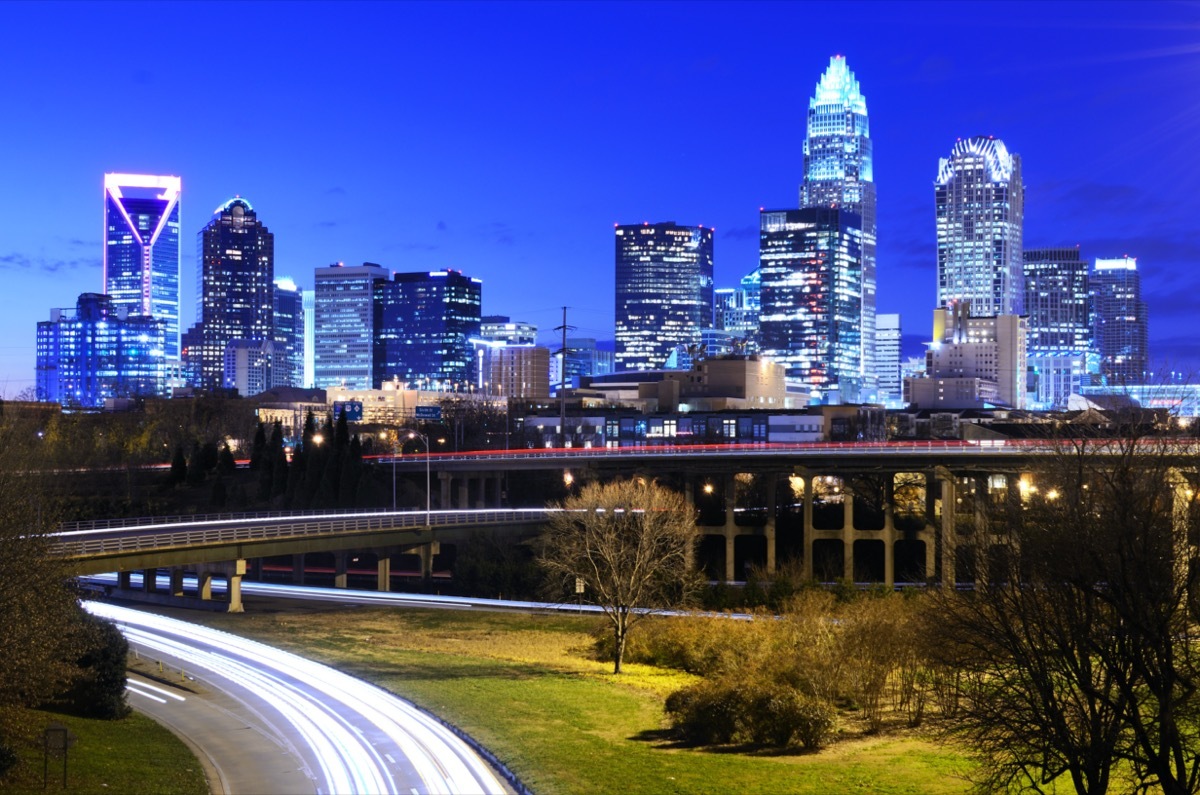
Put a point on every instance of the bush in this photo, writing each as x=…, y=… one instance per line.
x=708, y=713
x=8, y=759
x=99, y=692
x=726, y=711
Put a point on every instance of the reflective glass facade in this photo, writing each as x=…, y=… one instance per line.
x=1119, y=321
x=236, y=292
x=424, y=323
x=980, y=214
x=839, y=172
x=141, y=248
x=888, y=345
x=344, y=325
x=98, y=353
x=1058, y=304
x=289, y=331
x=664, y=291
x=811, y=294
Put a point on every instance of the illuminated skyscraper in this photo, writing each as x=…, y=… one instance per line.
x=980, y=212
x=839, y=172
x=811, y=296
x=235, y=298
x=344, y=325
x=1119, y=320
x=289, y=329
x=664, y=291
x=141, y=249
x=424, y=323
x=889, y=342
x=1057, y=301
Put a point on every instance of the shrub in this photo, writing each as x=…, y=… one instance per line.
x=99, y=692
x=708, y=713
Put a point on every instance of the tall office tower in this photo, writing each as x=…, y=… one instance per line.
x=424, y=323
x=141, y=249
x=811, y=293
x=344, y=325
x=664, y=291
x=583, y=358
x=1059, y=347
x=310, y=328
x=735, y=311
x=887, y=356
x=501, y=328
x=980, y=212
x=839, y=172
x=289, y=330
x=1119, y=321
x=99, y=352
x=235, y=296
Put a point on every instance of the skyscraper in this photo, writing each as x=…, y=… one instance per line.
x=141, y=249
x=344, y=325
x=887, y=356
x=289, y=330
x=1119, y=320
x=98, y=352
x=236, y=282
x=1059, y=347
x=424, y=323
x=664, y=291
x=839, y=172
x=980, y=212
x=811, y=297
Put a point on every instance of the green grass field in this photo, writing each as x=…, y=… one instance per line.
x=526, y=688
x=129, y=756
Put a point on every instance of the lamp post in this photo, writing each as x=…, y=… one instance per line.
x=424, y=440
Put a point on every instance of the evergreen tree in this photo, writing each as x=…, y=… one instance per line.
x=226, y=465
x=258, y=451
x=178, y=467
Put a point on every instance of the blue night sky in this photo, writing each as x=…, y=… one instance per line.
x=505, y=140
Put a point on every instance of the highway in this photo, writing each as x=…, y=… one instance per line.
x=268, y=721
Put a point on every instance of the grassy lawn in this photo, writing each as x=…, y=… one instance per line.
x=129, y=756
x=525, y=687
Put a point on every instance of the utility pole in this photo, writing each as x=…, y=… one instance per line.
x=562, y=380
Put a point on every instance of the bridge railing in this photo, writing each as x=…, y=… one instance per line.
x=196, y=533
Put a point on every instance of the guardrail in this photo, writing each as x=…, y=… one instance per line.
x=100, y=541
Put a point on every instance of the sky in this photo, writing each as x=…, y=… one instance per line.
x=505, y=140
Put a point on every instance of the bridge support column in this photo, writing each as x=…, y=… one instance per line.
x=177, y=581
x=339, y=569
x=383, y=573
x=889, y=534
x=236, y=571
x=949, y=541
x=847, y=534
x=444, y=483
x=149, y=580
x=425, y=553
x=809, y=530
x=729, y=572
x=464, y=493
x=298, y=569
x=204, y=584
x=769, y=528
x=125, y=580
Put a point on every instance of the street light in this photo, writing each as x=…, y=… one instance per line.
x=424, y=440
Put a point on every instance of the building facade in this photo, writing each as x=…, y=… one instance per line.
x=424, y=324
x=811, y=295
x=289, y=331
x=344, y=325
x=1119, y=321
x=980, y=216
x=973, y=362
x=520, y=372
x=141, y=249
x=888, y=339
x=98, y=352
x=839, y=172
x=235, y=296
x=1057, y=303
x=253, y=366
x=664, y=291
x=736, y=311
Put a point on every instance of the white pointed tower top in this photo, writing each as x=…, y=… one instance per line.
x=839, y=86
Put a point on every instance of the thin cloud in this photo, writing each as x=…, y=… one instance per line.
x=18, y=261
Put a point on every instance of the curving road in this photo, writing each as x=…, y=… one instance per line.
x=274, y=722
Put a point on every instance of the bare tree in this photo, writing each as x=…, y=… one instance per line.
x=1082, y=653
x=630, y=544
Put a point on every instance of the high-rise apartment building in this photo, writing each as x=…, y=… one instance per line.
x=141, y=249
x=99, y=352
x=664, y=291
x=839, y=172
x=501, y=328
x=424, y=324
x=1119, y=321
x=811, y=294
x=289, y=330
x=887, y=357
x=980, y=214
x=344, y=325
x=309, y=298
x=235, y=295
x=1057, y=303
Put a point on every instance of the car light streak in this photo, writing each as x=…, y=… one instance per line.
x=337, y=715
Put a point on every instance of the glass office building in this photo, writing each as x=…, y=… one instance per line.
x=289, y=330
x=1057, y=302
x=424, y=324
x=344, y=325
x=839, y=172
x=141, y=248
x=810, y=319
x=980, y=214
x=664, y=291
x=99, y=352
x=1119, y=321
x=235, y=291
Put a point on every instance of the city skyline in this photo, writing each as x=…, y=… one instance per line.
x=517, y=178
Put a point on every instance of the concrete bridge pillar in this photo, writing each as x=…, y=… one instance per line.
x=889, y=534
x=949, y=493
x=730, y=490
x=204, y=584
x=234, y=573
x=149, y=580
x=176, y=581
x=769, y=528
x=125, y=580
x=729, y=537
x=445, y=482
x=464, y=493
x=383, y=572
x=339, y=568
x=298, y=569
x=847, y=533
x=809, y=530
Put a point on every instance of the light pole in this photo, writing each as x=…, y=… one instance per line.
x=424, y=440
